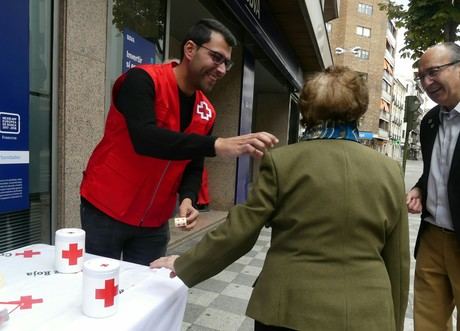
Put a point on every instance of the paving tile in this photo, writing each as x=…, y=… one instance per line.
x=244, y=260
x=244, y=279
x=257, y=263
x=251, y=253
x=230, y=304
x=247, y=325
x=263, y=238
x=201, y=297
x=251, y=270
x=192, y=312
x=219, y=320
x=238, y=291
x=257, y=248
x=261, y=255
x=226, y=276
x=212, y=285
x=235, y=267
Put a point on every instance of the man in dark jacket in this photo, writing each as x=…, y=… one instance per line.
x=437, y=192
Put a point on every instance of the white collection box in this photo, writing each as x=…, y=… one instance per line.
x=70, y=250
x=100, y=287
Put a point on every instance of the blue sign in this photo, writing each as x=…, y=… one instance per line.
x=14, y=106
x=366, y=135
x=136, y=50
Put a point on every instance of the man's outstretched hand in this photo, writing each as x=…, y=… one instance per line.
x=253, y=144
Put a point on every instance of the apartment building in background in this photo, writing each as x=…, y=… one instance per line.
x=363, y=39
x=397, y=124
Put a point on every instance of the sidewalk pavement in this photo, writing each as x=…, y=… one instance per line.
x=220, y=302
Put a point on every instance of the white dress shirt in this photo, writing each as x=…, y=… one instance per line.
x=437, y=202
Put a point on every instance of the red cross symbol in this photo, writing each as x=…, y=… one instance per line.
x=108, y=293
x=25, y=302
x=28, y=253
x=72, y=254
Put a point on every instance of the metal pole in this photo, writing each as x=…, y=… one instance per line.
x=406, y=148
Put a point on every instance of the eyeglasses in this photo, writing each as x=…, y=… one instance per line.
x=219, y=58
x=433, y=71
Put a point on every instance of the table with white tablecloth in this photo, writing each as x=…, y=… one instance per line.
x=38, y=298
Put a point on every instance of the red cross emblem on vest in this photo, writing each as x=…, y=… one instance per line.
x=108, y=293
x=204, y=111
x=72, y=254
x=28, y=253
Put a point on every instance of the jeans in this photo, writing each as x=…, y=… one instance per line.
x=110, y=238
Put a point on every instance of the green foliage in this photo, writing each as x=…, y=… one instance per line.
x=427, y=22
x=145, y=17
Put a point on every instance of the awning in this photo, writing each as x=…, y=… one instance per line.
x=387, y=66
x=384, y=105
x=366, y=135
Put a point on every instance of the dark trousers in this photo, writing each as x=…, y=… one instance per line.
x=262, y=327
x=108, y=237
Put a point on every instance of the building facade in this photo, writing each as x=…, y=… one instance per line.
x=74, y=50
x=363, y=39
x=397, y=127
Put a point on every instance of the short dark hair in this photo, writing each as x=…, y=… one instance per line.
x=200, y=33
x=337, y=93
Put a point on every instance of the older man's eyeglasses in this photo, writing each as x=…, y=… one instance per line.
x=218, y=58
x=433, y=72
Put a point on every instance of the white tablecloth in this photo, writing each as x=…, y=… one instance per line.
x=37, y=298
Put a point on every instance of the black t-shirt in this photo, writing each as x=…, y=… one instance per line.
x=135, y=101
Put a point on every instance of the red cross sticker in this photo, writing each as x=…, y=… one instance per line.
x=108, y=293
x=28, y=253
x=72, y=254
x=25, y=302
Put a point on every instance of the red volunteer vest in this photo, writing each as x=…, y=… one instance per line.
x=135, y=189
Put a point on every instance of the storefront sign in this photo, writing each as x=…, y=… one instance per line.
x=136, y=50
x=254, y=6
x=14, y=106
x=366, y=135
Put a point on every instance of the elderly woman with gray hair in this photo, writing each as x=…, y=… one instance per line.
x=339, y=253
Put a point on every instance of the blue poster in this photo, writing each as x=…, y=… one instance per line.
x=136, y=50
x=14, y=106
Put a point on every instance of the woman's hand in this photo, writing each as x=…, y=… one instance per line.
x=165, y=262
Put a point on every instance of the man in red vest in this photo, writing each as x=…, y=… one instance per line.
x=155, y=140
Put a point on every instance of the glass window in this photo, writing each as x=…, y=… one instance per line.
x=386, y=86
x=363, y=54
x=363, y=31
x=136, y=35
x=33, y=225
x=364, y=8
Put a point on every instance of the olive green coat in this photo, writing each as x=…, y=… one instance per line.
x=339, y=254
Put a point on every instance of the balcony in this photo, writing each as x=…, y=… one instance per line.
x=391, y=39
x=389, y=78
x=390, y=58
x=384, y=115
x=386, y=96
x=383, y=134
